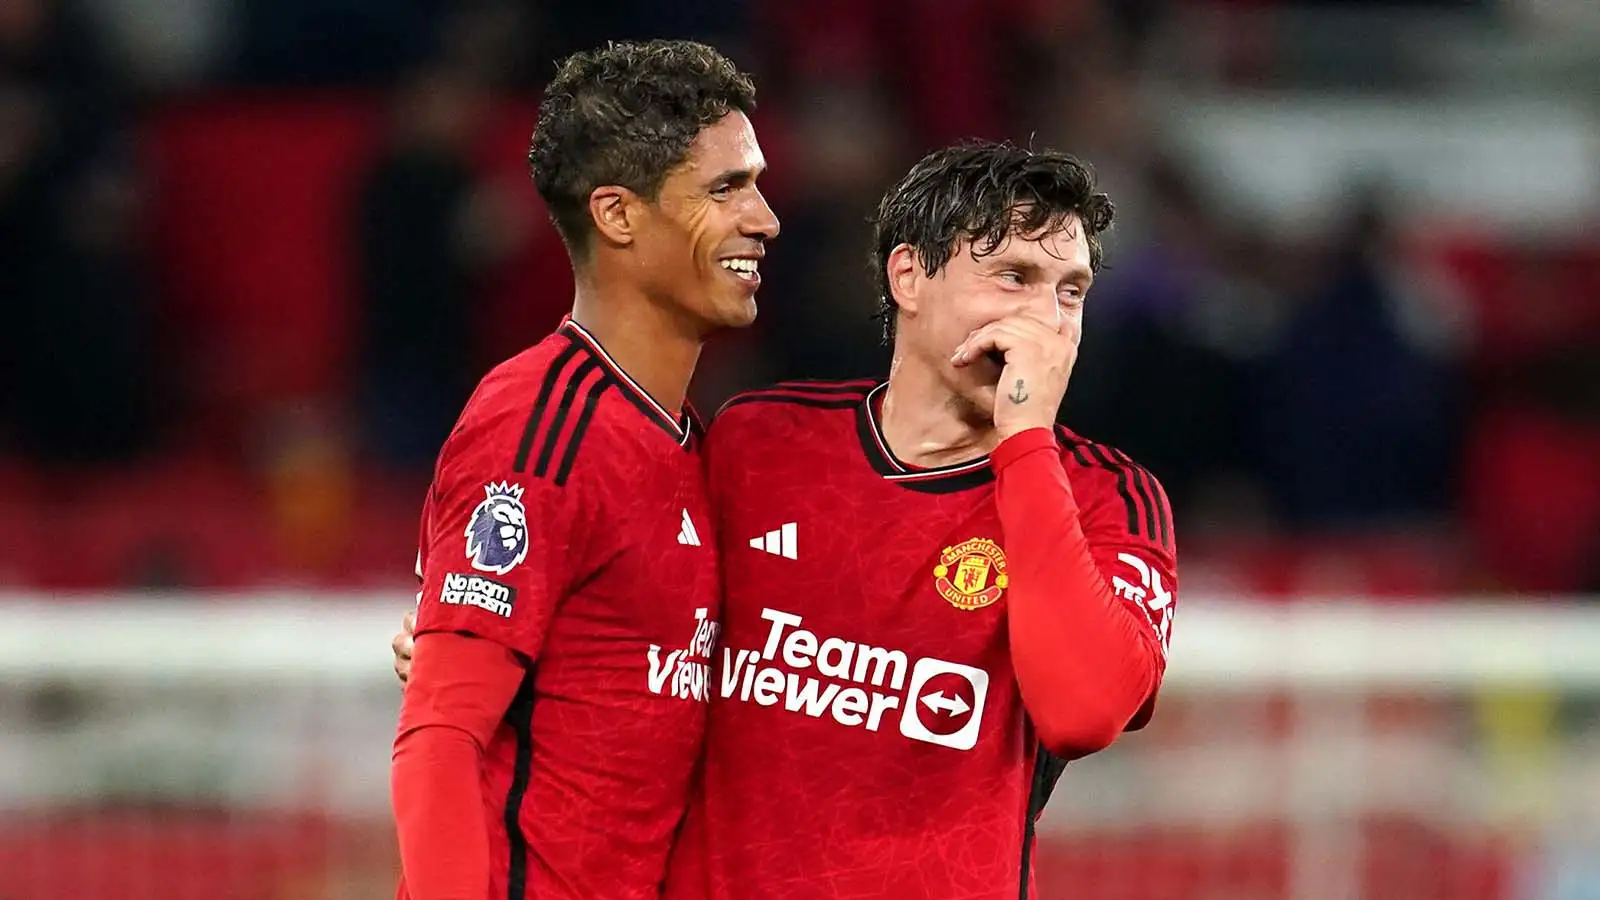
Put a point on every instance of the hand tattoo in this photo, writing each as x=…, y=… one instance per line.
x=1020, y=394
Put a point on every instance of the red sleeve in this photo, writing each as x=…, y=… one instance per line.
x=1087, y=660
x=459, y=690
x=501, y=545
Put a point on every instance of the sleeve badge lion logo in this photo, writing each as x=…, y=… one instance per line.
x=497, y=534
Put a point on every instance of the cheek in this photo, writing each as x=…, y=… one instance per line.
x=975, y=310
x=945, y=323
x=1072, y=324
x=698, y=227
x=677, y=240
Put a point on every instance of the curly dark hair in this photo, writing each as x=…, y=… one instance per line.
x=983, y=192
x=625, y=114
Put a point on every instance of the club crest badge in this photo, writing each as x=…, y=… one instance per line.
x=972, y=574
x=497, y=534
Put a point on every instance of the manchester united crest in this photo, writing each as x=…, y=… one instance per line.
x=972, y=574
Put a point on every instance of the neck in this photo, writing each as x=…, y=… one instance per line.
x=653, y=346
x=925, y=425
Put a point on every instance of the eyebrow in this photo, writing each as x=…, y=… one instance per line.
x=1080, y=274
x=737, y=177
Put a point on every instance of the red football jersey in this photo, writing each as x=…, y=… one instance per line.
x=565, y=523
x=867, y=736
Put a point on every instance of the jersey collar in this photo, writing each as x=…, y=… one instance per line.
x=681, y=427
x=940, y=480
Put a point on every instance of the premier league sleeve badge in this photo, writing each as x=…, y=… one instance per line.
x=497, y=534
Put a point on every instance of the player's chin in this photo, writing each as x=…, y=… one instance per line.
x=721, y=302
x=735, y=312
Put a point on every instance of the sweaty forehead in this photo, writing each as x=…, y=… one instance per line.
x=1063, y=246
x=728, y=144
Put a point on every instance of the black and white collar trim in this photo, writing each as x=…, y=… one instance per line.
x=940, y=480
x=681, y=427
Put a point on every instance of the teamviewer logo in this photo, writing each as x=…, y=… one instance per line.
x=944, y=705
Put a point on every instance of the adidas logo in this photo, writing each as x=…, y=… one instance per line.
x=687, y=534
x=779, y=541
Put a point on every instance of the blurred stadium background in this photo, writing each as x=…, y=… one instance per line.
x=254, y=253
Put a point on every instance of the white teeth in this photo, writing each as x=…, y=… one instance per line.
x=747, y=266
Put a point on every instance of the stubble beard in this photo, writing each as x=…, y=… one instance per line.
x=970, y=412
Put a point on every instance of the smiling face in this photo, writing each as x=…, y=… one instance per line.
x=1045, y=275
x=698, y=245
x=644, y=155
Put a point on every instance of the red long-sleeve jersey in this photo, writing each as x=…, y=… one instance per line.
x=910, y=655
x=564, y=637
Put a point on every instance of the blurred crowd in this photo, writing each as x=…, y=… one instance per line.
x=255, y=254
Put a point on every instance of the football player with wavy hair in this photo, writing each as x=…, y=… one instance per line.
x=557, y=697
x=934, y=595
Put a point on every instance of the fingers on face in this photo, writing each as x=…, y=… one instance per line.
x=1011, y=332
x=989, y=337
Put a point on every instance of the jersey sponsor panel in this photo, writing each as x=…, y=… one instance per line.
x=685, y=672
x=856, y=685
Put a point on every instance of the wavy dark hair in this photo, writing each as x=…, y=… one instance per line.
x=625, y=114
x=982, y=192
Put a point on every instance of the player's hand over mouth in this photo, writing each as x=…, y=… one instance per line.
x=1039, y=358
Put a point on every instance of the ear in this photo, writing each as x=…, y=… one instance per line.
x=615, y=212
x=905, y=277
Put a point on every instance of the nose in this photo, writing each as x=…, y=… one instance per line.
x=1042, y=304
x=761, y=222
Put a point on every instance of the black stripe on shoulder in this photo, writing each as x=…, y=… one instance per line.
x=814, y=402
x=1158, y=512
x=815, y=394
x=563, y=410
x=591, y=401
x=1148, y=513
x=520, y=717
x=1137, y=476
x=1104, y=461
x=861, y=386
x=1078, y=454
x=551, y=377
